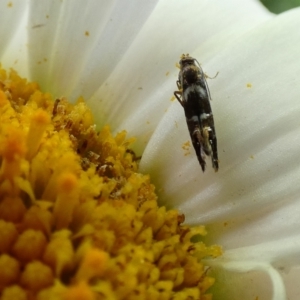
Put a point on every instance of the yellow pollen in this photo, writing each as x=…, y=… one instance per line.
x=12, y=207
x=94, y=264
x=77, y=219
x=29, y=246
x=3, y=100
x=14, y=292
x=13, y=147
x=67, y=198
x=12, y=150
x=36, y=276
x=38, y=124
x=67, y=183
x=8, y=234
x=10, y=270
x=62, y=260
x=80, y=291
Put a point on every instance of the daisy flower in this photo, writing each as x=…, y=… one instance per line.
x=61, y=238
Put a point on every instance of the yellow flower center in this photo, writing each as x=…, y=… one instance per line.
x=77, y=220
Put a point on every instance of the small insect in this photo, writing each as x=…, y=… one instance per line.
x=194, y=97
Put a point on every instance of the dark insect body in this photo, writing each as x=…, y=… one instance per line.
x=194, y=97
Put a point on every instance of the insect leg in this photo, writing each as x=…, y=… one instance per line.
x=178, y=94
x=206, y=76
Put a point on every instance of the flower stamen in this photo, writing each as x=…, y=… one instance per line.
x=77, y=220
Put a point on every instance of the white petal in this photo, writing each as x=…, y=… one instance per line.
x=248, y=280
x=253, y=198
x=137, y=93
x=74, y=45
x=268, y=263
x=13, y=21
x=292, y=283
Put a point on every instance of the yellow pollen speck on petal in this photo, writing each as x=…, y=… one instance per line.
x=77, y=219
x=186, y=147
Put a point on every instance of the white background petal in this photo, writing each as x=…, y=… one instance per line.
x=258, y=135
x=74, y=45
x=263, y=265
x=13, y=28
x=252, y=284
x=128, y=50
x=254, y=198
x=138, y=91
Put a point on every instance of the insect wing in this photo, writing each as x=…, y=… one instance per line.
x=194, y=96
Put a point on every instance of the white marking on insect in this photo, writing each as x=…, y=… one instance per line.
x=205, y=116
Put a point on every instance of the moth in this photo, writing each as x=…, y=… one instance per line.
x=194, y=96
